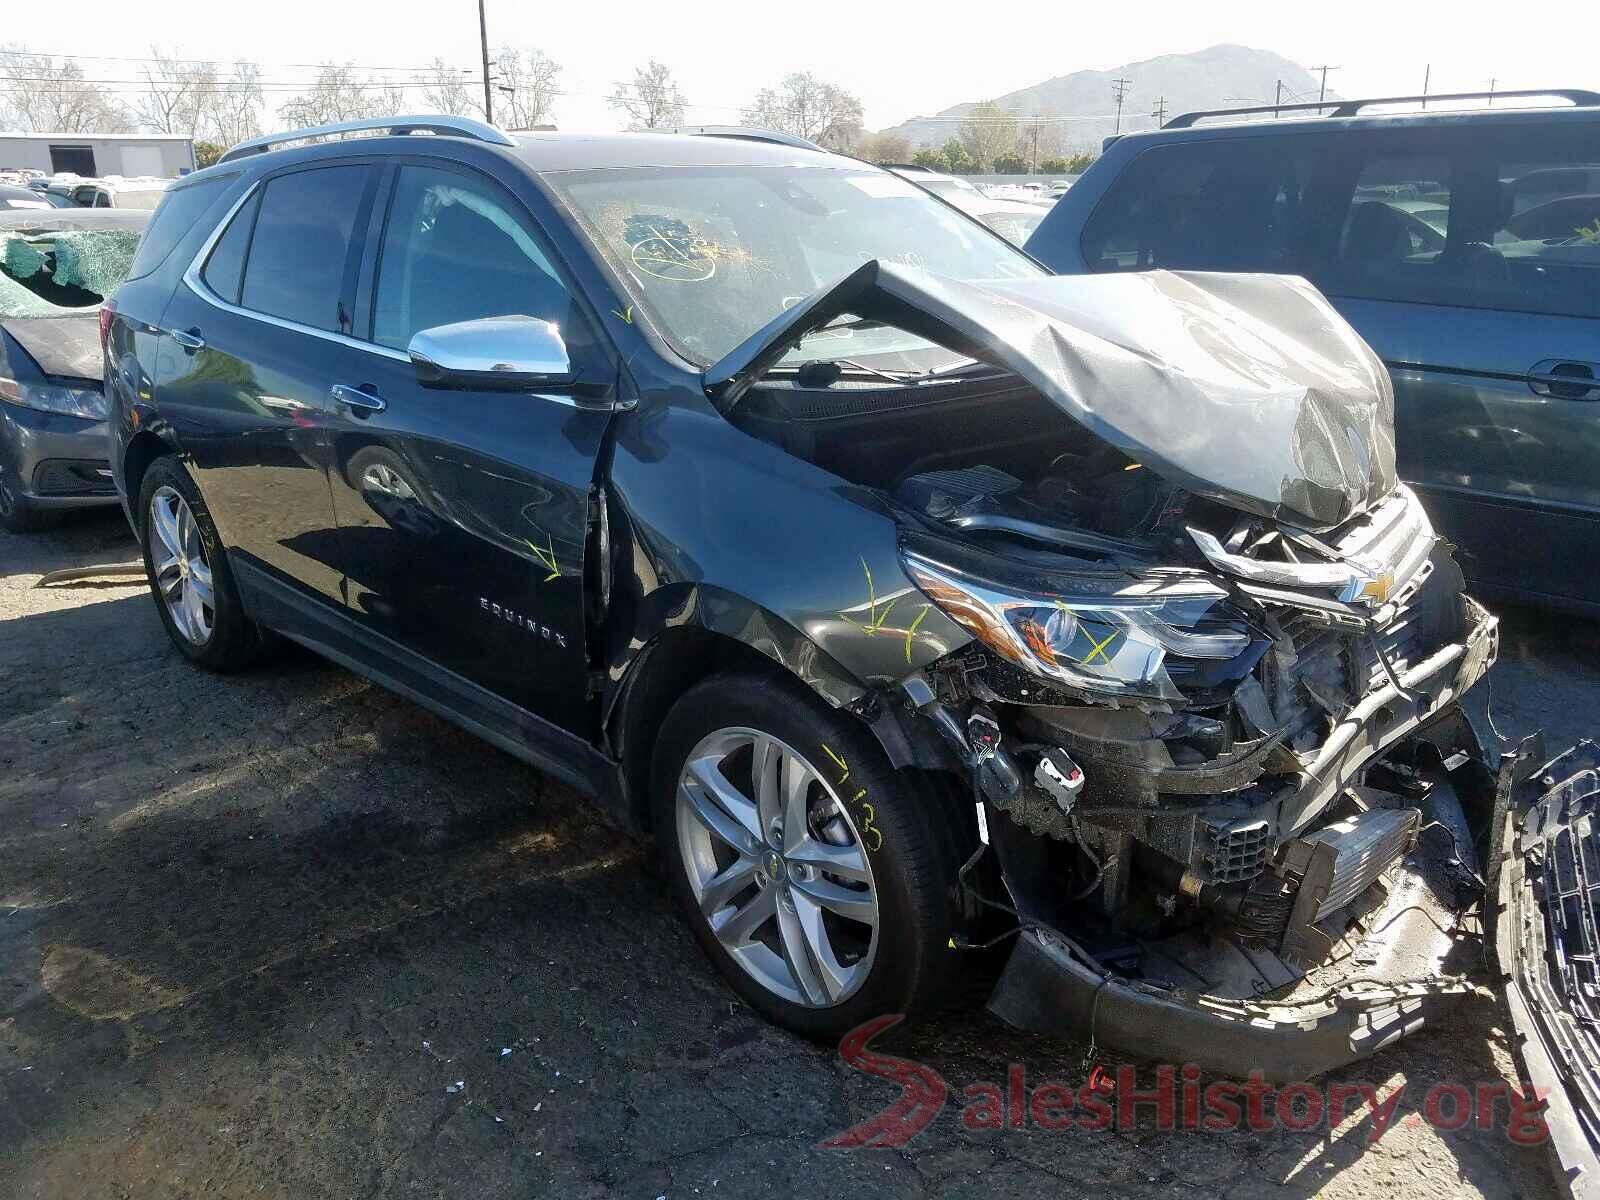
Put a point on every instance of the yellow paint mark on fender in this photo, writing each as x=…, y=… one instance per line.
x=546, y=557
x=912, y=632
x=623, y=314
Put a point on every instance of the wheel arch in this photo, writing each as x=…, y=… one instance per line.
x=143, y=449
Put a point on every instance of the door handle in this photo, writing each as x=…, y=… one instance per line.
x=189, y=339
x=1564, y=380
x=354, y=397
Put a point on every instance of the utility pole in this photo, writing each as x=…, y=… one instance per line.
x=1277, y=100
x=1492, y=82
x=1119, y=89
x=1322, y=92
x=1159, y=112
x=1033, y=158
x=1427, y=74
x=483, y=37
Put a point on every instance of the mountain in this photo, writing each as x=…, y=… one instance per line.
x=1212, y=78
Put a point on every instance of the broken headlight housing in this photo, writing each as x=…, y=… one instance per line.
x=1096, y=635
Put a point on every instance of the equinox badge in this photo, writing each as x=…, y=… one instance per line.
x=523, y=622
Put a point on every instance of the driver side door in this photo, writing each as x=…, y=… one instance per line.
x=463, y=513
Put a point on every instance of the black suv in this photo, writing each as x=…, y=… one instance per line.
x=913, y=599
x=1463, y=245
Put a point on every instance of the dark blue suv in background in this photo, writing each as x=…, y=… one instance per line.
x=1464, y=246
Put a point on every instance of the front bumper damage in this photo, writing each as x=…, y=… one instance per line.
x=1544, y=871
x=1377, y=978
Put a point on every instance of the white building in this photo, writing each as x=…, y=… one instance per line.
x=165, y=156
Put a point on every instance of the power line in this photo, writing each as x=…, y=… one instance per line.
x=1322, y=89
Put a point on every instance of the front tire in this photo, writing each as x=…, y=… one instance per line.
x=808, y=870
x=188, y=572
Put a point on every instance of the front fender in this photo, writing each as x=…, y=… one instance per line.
x=710, y=527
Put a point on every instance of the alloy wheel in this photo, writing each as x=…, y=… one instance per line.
x=777, y=866
x=182, y=571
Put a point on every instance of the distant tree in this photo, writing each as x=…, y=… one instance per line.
x=956, y=159
x=1053, y=166
x=206, y=153
x=884, y=148
x=1079, y=163
x=1011, y=164
x=447, y=91
x=988, y=132
x=653, y=100
x=47, y=96
x=931, y=158
x=177, y=95
x=234, y=110
x=341, y=93
x=808, y=107
x=527, y=83
x=1039, y=137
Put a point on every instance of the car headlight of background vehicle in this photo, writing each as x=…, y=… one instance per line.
x=24, y=384
x=1096, y=636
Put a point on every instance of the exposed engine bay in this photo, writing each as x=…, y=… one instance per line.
x=1214, y=741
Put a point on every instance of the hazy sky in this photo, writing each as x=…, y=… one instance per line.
x=900, y=59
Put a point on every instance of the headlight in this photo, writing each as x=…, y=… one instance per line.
x=1097, y=636
x=50, y=397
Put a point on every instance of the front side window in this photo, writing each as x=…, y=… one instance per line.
x=1214, y=205
x=303, y=230
x=714, y=253
x=455, y=250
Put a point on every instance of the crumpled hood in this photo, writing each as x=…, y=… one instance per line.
x=68, y=346
x=1247, y=389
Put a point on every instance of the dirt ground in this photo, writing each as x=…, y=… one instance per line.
x=284, y=934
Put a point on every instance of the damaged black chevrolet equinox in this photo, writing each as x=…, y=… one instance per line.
x=914, y=600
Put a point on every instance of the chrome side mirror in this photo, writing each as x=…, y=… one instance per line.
x=496, y=353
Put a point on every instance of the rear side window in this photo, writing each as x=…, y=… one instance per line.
x=296, y=267
x=224, y=269
x=176, y=215
x=1504, y=218
x=1219, y=205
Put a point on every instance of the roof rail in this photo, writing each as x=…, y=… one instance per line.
x=454, y=126
x=1578, y=97
x=753, y=133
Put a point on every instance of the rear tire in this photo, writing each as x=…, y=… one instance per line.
x=188, y=572
x=795, y=938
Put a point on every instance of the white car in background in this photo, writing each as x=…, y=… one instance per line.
x=1013, y=220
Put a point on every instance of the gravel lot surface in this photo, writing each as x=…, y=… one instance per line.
x=283, y=934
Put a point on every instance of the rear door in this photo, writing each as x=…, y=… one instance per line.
x=251, y=345
x=464, y=513
x=1469, y=258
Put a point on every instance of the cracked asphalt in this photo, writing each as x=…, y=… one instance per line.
x=284, y=934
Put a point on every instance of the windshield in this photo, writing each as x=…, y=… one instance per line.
x=714, y=254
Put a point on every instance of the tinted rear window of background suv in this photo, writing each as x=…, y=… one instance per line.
x=179, y=211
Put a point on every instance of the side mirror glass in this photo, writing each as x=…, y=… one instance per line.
x=495, y=353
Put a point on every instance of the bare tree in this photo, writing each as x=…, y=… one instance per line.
x=235, y=110
x=810, y=108
x=987, y=132
x=53, y=97
x=341, y=93
x=884, y=147
x=178, y=94
x=447, y=91
x=527, y=84
x=653, y=100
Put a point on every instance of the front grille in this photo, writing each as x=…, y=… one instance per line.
x=1238, y=851
x=1319, y=670
x=73, y=477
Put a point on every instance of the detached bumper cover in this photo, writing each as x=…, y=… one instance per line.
x=1416, y=959
x=1546, y=944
